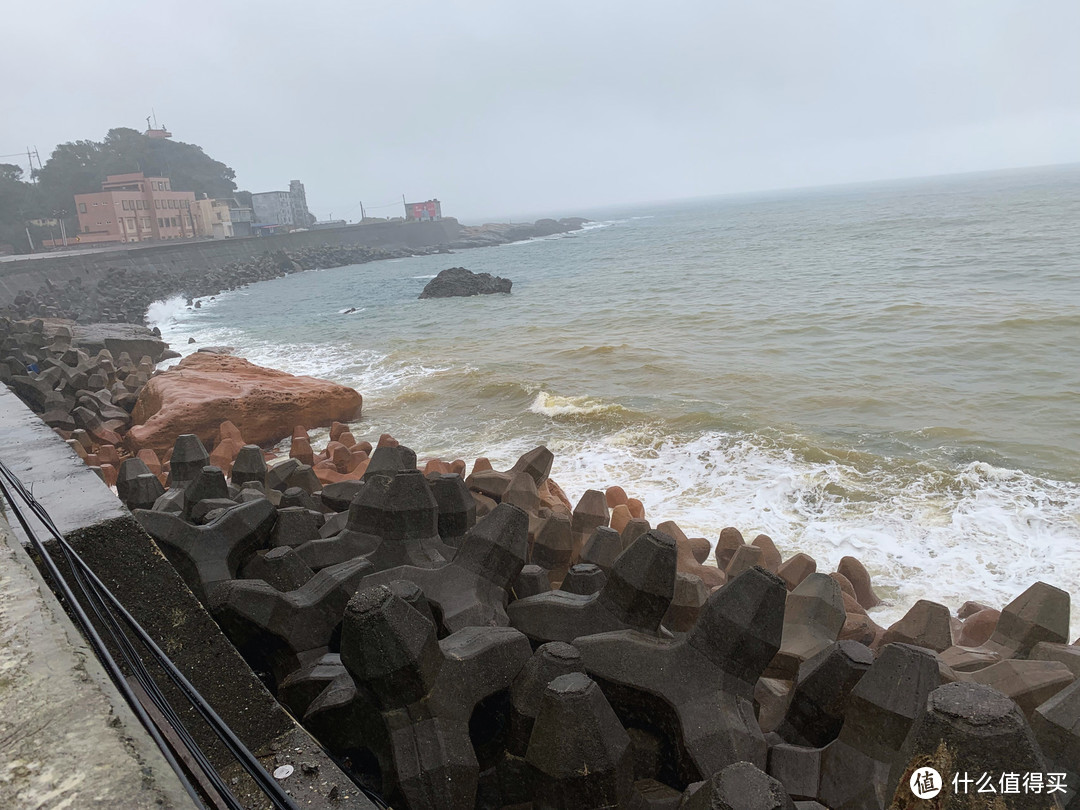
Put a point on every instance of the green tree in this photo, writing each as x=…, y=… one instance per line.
x=80, y=167
x=17, y=204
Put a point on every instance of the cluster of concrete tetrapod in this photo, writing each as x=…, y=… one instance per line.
x=475, y=642
x=68, y=375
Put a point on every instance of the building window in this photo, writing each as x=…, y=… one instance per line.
x=124, y=204
x=82, y=208
x=131, y=223
x=86, y=229
x=175, y=222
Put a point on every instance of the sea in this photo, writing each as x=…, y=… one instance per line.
x=886, y=370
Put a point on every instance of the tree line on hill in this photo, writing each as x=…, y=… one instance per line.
x=80, y=167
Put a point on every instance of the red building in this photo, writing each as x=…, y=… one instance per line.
x=134, y=208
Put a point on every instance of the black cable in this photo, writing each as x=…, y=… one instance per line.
x=150, y=687
x=275, y=792
x=280, y=799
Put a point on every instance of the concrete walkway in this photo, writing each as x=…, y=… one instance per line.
x=67, y=738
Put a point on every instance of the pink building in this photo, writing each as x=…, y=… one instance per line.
x=134, y=208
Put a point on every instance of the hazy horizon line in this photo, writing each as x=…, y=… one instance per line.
x=608, y=207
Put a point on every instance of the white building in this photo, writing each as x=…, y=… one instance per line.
x=273, y=208
x=282, y=207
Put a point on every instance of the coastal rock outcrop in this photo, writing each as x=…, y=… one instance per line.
x=457, y=281
x=204, y=390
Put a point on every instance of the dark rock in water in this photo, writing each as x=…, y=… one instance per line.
x=457, y=281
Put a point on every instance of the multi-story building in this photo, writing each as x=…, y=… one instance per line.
x=282, y=207
x=241, y=216
x=272, y=208
x=213, y=218
x=134, y=208
x=298, y=197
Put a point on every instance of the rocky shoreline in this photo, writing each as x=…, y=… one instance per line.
x=126, y=294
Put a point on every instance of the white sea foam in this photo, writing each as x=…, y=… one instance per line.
x=431, y=276
x=166, y=313
x=547, y=404
x=982, y=533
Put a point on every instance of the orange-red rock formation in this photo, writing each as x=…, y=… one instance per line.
x=204, y=390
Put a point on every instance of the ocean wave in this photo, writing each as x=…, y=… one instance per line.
x=948, y=535
x=165, y=313
x=554, y=405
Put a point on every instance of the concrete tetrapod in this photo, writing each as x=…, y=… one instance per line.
x=813, y=617
x=636, y=595
x=271, y=629
x=457, y=508
x=189, y=456
x=547, y=663
x=584, y=579
x=206, y=556
x=966, y=731
x=1056, y=725
x=473, y=588
x=400, y=509
x=739, y=786
x=578, y=750
x=697, y=692
x=881, y=710
x=426, y=691
x=1041, y=613
x=553, y=548
x=816, y=712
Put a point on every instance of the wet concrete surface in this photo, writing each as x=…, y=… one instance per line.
x=67, y=738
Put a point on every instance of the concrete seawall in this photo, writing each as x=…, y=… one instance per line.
x=32, y=272
x=127, y=560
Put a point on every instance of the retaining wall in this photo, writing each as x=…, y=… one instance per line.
x=31, y=272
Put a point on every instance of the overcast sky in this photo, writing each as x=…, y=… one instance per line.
x=502, y=108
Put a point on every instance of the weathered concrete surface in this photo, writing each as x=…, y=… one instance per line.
x=67, y=737
x=128, y=562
